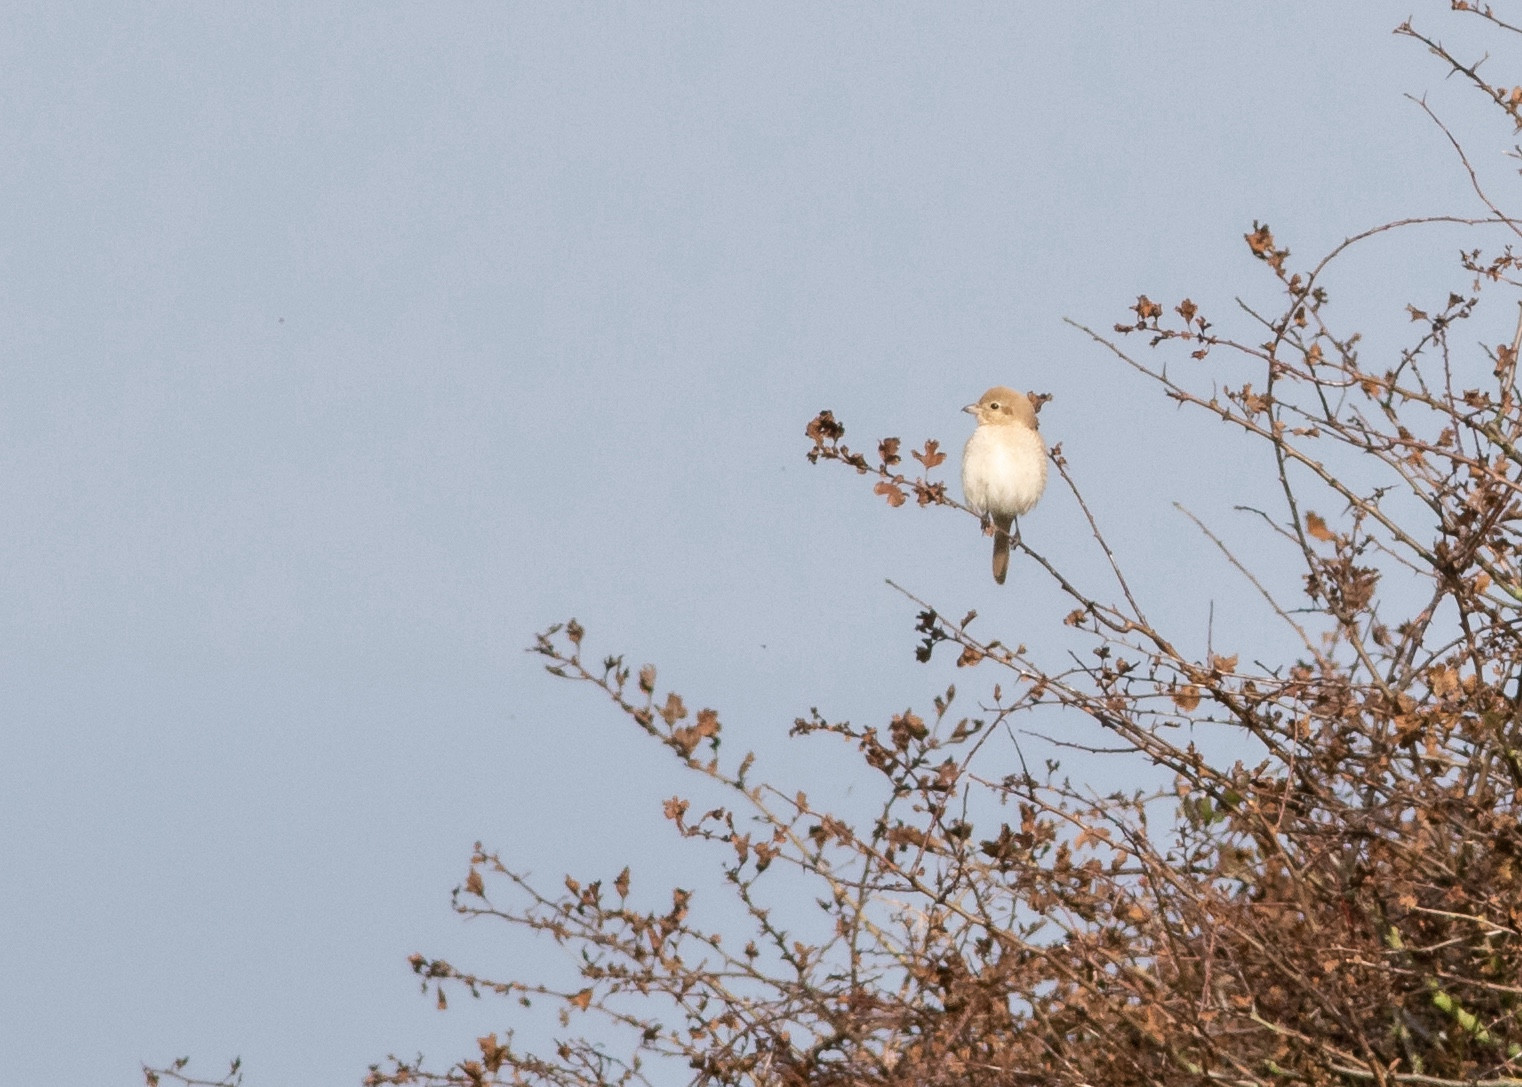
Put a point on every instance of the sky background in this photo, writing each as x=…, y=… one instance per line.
x=347, y=346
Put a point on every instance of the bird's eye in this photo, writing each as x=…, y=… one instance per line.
x=994, y=404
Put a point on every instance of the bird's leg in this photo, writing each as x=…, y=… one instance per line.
x=1014, y=536
x=986, y=522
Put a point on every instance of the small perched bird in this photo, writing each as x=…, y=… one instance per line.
x=1003, y=466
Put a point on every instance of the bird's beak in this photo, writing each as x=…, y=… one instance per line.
x=971, y=409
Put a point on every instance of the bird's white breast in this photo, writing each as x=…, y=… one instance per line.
x=1003, y=469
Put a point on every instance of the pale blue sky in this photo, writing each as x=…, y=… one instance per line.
x=346, y=346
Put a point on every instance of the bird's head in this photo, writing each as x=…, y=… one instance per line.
x=1003, y=406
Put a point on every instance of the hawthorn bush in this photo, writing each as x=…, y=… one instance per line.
x=1344, y=907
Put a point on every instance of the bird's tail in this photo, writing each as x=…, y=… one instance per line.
x=1001, y=547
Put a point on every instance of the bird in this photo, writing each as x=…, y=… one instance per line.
x=1003, y=465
